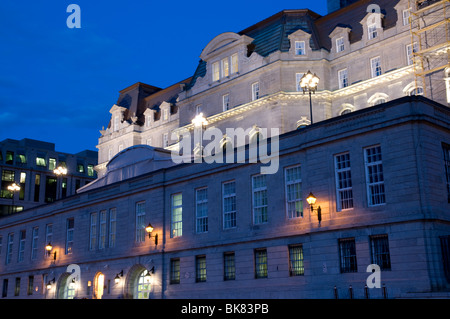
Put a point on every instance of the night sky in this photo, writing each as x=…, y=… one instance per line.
x=58, y=84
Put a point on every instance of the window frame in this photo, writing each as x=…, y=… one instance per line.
x=262, y=216
x=176, y=217
x=300, y=48
x=338, y=170
x=343, y=78
x=229, y=216
x=256, y=91
x=375, y=70
x=140, y=222
x=201, y=221
x=368, y=163
x=286, y=189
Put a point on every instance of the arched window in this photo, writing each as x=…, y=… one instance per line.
x=412, y=89
x=346, y=108
x=346, y=111
x=377, y=98
x=66, y=290
x=143, y=285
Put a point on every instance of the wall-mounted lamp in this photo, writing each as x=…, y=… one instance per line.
x=149, y=230
x=311, y=199
x=118, y=276
x=48, y=249
x=147, y=276
x=49, y=284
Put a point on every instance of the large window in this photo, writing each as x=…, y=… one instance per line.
x=379, y=251
x=143, y=286
x=229, y=267
x=347, y=253
x=112, y=227
x=176, y=227
x=374, y=176
x=229, y=204
x=175, y=271
x=259, y=189
x=201, y=210
x=344, y=190
x=102, y=229
x=200, y=268
x=9, y=248
x=140, y=222
x=70, y=226
x=7, y=179
x=22, y=239
x=34, y=243
x=294, y=203
x=260, y=263
x=296, y=267
x=93, y=232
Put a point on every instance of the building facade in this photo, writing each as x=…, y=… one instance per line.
x=381, y=178
x=30, y=164
x=372, y=151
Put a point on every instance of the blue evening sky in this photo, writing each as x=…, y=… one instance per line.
x=58, y=84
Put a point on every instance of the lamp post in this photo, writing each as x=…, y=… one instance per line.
x=59, y=172
x=149, y=230
x=200, y=123
x=13, y=188
x=309, y=83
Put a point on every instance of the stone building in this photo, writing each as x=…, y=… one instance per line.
x=371, y=151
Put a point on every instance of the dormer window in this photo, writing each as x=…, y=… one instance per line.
x=216, y=71
x=225, y=67
x=372, y=31
x=340, y=44
x=300, y=48
x=222, y=69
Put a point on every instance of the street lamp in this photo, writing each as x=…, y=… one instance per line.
x=149, y=230
x=13, y=188
x=59, y=172
x=309, y=83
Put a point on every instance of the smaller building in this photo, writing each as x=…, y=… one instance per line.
x=30, y=164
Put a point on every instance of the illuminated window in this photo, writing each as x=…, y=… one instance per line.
x=344, y=190
x=374, y=176
x=293, y=181
x=259, y=189
x=225, y=65
x=200, y=268
x=296, y=267
x=175, y=271
x=300, y=48
x=9, y=159
x=260, y=263
x=234, y=64
x=176, y=227
x=51, y=164
x=143, y=285
x=40, y=161
x=215, y=71
x=90, y=170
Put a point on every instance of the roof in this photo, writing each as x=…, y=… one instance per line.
x=271, y=34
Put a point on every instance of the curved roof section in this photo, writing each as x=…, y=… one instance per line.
x=131, y=162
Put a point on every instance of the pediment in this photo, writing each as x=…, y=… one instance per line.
x=222, y=42
x=299, y=34
x=339, y=30
x=115, y=108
